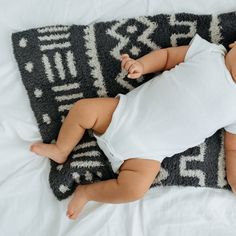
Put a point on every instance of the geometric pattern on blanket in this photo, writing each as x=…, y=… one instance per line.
x=61, y=64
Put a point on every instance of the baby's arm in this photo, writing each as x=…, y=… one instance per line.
x=155, y=61
x=230, y=157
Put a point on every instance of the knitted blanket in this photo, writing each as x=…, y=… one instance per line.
x=63, y=63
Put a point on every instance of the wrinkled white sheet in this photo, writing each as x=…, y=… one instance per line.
x=27, y=205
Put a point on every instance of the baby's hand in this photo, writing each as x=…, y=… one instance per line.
x=133, y=67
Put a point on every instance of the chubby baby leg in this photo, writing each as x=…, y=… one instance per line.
x=90, y=113
x=231, y=168
x=135, y=178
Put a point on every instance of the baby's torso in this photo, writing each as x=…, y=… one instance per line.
x=181, y=107
x=188, y=103
x=204, y=87
x=176, y=110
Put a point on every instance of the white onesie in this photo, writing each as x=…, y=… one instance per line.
x=173, y=111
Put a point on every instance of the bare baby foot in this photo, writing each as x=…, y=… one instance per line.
x=77, y=203
x=49, y=150
x=233, y=187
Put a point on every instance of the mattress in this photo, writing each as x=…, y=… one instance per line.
x=27, y=204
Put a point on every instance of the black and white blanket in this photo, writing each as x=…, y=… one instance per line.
x=61, y=64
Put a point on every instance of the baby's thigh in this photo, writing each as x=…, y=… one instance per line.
x=104, y=108
x=139, y=173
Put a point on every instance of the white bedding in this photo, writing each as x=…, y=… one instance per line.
x=27, y=205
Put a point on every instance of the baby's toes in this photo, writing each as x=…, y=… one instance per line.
x=233, y=187
x=232, y=183
x=72, y=214
x=69, y=213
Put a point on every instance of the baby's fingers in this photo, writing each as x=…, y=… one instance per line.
x=124, y=61
x=133, y=68
x=128, y=63
x=134, y=76
x=123, y=56
x=232, y=44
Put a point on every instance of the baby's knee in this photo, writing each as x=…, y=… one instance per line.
x=136, y=176
x=85, y=112
x=82, y=104
x=131, y=189
x=135, y=193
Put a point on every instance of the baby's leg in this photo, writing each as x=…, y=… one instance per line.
x=135, y=178
x=231, y=168
x=91, y=113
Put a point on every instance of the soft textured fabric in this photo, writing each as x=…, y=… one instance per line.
x=26, y=198
x=173, y=111
x=63, y=63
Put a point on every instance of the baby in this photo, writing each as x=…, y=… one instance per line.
x=178, y=109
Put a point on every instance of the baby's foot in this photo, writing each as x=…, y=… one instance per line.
x=233, y=187
x=77, y=203
x=49, y=150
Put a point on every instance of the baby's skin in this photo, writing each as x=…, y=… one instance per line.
x=135, y=174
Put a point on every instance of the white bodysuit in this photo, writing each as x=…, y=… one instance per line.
x=173, y=111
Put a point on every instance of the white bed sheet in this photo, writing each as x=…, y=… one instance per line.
x=27, y=205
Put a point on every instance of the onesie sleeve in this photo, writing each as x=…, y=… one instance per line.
x=198, y=45
x=231, y=128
